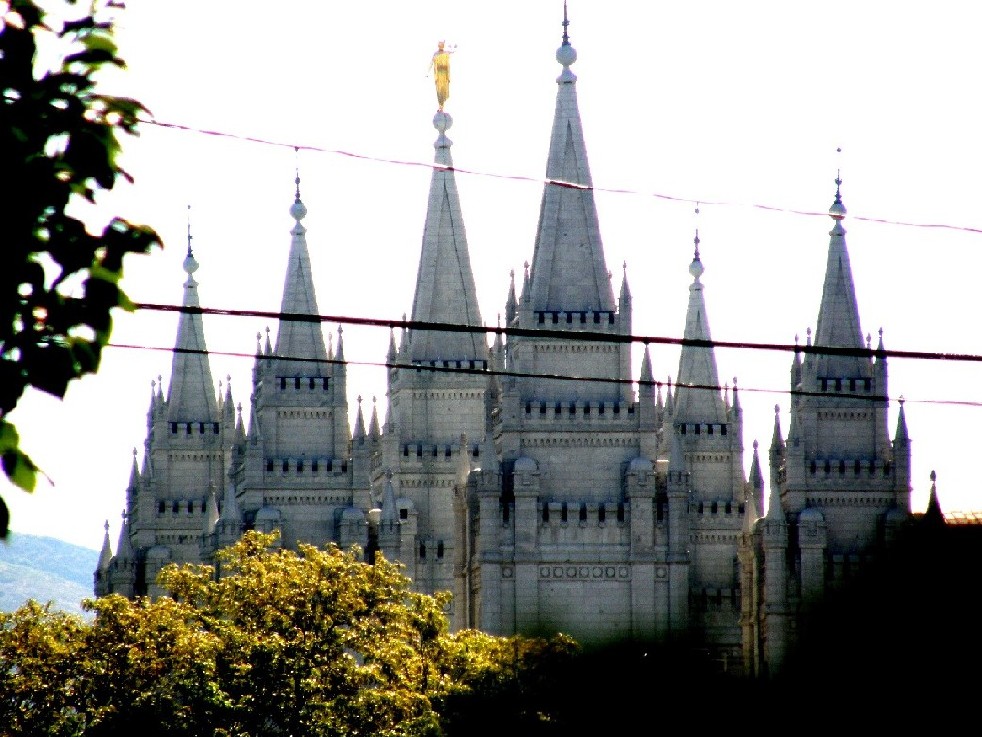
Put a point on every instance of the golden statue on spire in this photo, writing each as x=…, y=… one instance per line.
x=440, y=64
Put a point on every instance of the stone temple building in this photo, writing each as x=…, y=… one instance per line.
x=603, y=507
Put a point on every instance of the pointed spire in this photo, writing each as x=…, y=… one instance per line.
x=569, y=271
x=838, y=316
x=374, y=431
x=211, y=511
x=339, y=351
x=777, y=439
x=228, y=406
x=933, y=513
x=230, y=506
x=300, y=339
x=511, y=303
x=134, y=472
x=736, y=409
x=445, y=286
x=901, y=437
x=240, y=431
x=124, y=548
x=106, y=554
x=190, y=397
x=697, y=394
x=755, y=491
x=359, y=431
x=647, y=376
x=625, y=296
x=393, y=352
x=389, y=511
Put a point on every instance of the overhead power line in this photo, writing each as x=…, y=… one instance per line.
x=451, y=366
x=543, y=180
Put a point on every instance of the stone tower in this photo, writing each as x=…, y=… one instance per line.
x=187, y=453
x=839, y=486
x=437, y=426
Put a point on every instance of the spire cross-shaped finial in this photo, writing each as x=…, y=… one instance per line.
x=565, y=25
x=189, y=230
x=106, y=526
x=296, y=153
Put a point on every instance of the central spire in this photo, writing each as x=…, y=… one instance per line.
x=445, y=288
x=569, y=272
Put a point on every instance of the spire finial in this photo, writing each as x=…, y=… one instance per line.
x=566, y=54
x=190, y=264
x=106, y=527
x=838, y=210
x=297, y=210
x=189, y=230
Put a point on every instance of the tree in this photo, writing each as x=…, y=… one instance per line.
x=309, y=642
x=59, y=147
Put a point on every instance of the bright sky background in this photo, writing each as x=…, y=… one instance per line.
x=738, y=105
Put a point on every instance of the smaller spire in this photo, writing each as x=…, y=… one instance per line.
x=373, y=428
x=393, y=352
x=359, y=422
x=901, y=437
x=211, y=513
x=933, y=514
x=106, y=554
x=339, y=354
x=230, y=506
x=736, y=397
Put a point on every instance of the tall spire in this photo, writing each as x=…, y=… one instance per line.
x=190, y=396
x=299, y=338
x=697, y=395
x=838, y=316
x=569, y=272
x=445, y=288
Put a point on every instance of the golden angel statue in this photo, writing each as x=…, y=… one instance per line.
x=440, y=64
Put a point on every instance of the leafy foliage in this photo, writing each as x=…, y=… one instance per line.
x=308, y=642
x=59, y=149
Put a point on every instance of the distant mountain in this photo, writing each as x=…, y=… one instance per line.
x=45, y=569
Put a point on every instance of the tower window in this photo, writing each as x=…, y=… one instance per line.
x=282, y=383
x=602, y=514
x=175, y=506
x=187, y=429
x=722, y=429
x=161, y=507
x=296, y=382
x=173, y=427
x=269, y=465
x=563, y=513
x=191, y=507
x=286, y=465
x=439, y=549
x=300, y=465
x=324, y=383
x=215, y=427
x=314, y=466
x=620, y=512
x=422, y=551
x=545, y=512
x=313, y=382
x=583, y=513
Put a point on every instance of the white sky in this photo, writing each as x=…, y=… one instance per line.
x=738, y=103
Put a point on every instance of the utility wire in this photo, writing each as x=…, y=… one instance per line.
x=541, y=180
x=573, y=335
x=450, y=366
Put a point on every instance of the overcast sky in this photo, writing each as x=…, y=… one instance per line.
x=741, y=107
